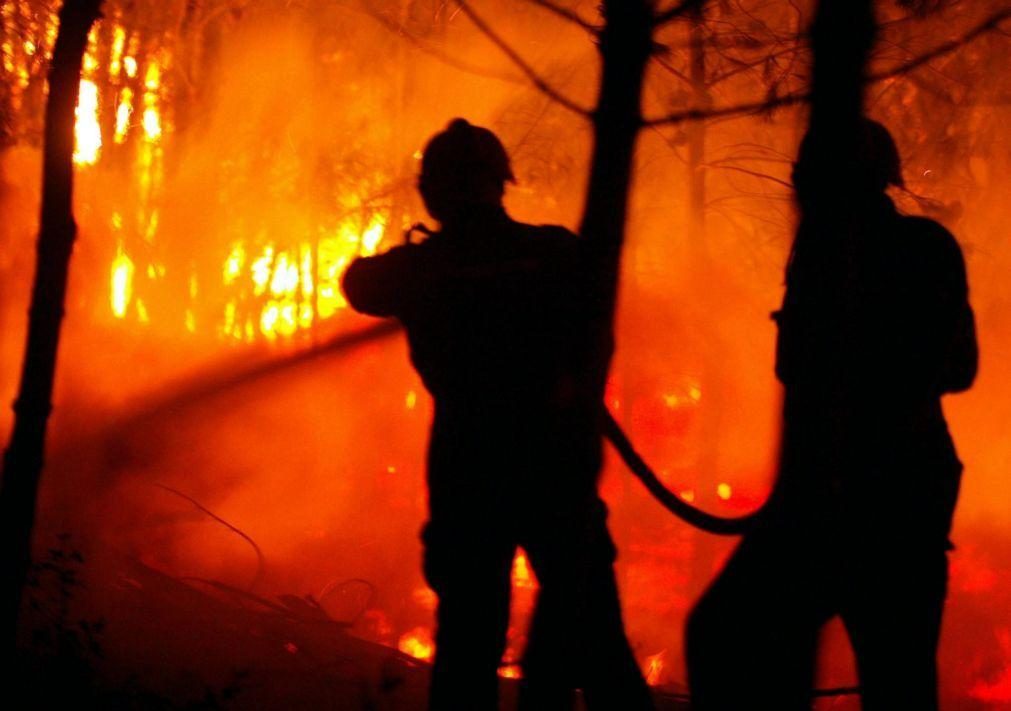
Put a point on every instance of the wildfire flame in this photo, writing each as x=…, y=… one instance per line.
x=122, y=283
x=275, y=290
x=87, y=132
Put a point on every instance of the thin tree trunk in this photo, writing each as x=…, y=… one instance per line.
x=711, y=349
x=696, y=132
x=843, y=34
x=24, y=456
x=625, y=46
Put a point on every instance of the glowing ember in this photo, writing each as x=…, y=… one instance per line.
x=522, y=575
x=418, y=644
x=510, y=671
x=122, y=283
x=652, y=668
x=425, y=598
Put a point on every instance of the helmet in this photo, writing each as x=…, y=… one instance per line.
x=464, y=155
x=880, y=154
x=877, y=156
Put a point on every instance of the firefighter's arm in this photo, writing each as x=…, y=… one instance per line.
x=961, y=357
x=957, y=350
x=379, y=285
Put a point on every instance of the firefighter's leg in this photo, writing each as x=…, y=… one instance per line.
x=577, y=638
x=751, y=640
x=468, y=568
x=893, y=617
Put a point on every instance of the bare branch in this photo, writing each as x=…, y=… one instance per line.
x=992, y=23
x=677, y=11
x=542, y=85
x=754, y=173
x=566, y=14
x=673, y=70
x=234, y=529
x=444, y=57
x=753, y=107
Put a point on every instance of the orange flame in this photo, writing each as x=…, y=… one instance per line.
x=418, y=644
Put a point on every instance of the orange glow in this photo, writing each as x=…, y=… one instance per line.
x=248, y=170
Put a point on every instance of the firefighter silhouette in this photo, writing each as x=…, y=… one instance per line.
x=874, y=328
x=502, y=330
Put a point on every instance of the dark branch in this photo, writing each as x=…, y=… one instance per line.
x=566, y=14
x=677, y=11
x=230, y=527
x=754, y=107
x=992, y=23
x=531, y=74
x=753, y=173
x=444, y=57
x=988, y=25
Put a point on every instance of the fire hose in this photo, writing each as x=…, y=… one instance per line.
x=692, y=515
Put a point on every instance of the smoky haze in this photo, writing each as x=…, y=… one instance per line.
x=300, y=122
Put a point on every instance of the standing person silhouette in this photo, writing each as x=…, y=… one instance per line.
x=874, y=328
x=502, y=327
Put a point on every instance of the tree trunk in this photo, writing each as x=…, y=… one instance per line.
x=842, y=36
x=625, y=46
x=696, y=132
x=24, y=456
